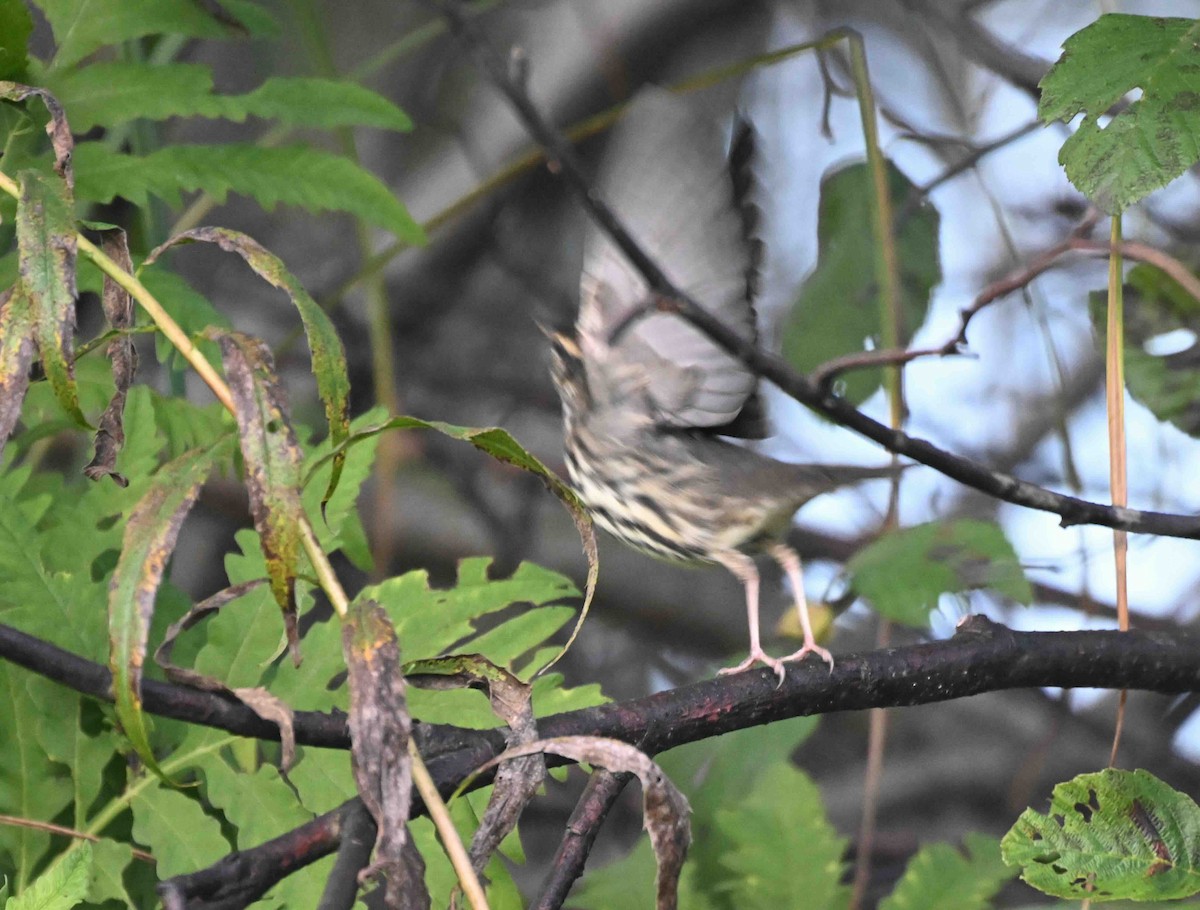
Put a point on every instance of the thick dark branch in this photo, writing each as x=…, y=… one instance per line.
x=1072, y=510
x=982, y=657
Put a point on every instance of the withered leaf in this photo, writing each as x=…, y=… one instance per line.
x=517, y=780
x=150, y=536
x=273, y=460
x=118, y=310
x=46, y=253
x=328, y=354
x=16, y=354
x=665, y=810
x=379, y=732
x=57, y=129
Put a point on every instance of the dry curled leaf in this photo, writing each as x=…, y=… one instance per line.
x=259, y=700
x=16, y=355
x=517, y=780
x=665, y=810
x=328, y=353
x=379, y=732
x=118, y=310
x=57, y=129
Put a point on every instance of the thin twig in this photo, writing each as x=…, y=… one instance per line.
x=18, y=822
x=451, y=842
x=602, y=790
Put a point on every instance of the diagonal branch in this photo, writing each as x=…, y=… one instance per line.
x=561, y=158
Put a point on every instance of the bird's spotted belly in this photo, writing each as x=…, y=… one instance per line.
x=630, y=512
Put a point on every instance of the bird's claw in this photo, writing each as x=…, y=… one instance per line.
x=757, y=655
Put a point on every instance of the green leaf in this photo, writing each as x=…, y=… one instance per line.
x=46, y=240
x=838, y=307
x=109, y=92
x=942, y=878
x=150, y=535
x=781, y=845
x=182, y=836
x=30, y=785
x=83, y=26
x=61, y=887
x=503, y=447
x=1111, y=834
x=110, y=861
x=429, y=621
x=188, y=307
x=16, y=25
x=299, y=175
x=1167, y=384
x=904, y=572
x=1155, y=138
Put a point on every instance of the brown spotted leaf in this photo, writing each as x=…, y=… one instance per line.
x=57, y=129
x=262, y=702
x=501, y=446
x=328, y=355
x=379, y=731
x=518, y=780
x=118, y=310
x=150, y=536
x=665, y=810
x=16, y=354
x=273, y=459
x=46, y=252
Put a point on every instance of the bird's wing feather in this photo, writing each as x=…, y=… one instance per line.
x=665, y=177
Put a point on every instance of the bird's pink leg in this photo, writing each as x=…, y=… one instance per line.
x=742, y=566
x=789, y=561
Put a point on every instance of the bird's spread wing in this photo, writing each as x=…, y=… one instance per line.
x=665, y=176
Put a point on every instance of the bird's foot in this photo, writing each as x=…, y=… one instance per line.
x=811, y=647
x=757, y=655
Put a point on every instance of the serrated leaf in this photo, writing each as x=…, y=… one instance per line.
x=181, y=835
x=502, y=446
x=904, y=572
x=1112, y=834
x=150, y=536
x=16, y=25
x=111, y=91
x=328, y=354
x=110, y=858
x=47, y=243
x=940, y=877
x=30, y=786
x=837, y=310
x=298, y=175
x=1155, y=138
x=430, y=621
x=1167, y=384
x=61, y=887
x=781, y=845
x=273, y=459
x=83, y=26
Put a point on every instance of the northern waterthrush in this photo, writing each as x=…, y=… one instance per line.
x=646, y=398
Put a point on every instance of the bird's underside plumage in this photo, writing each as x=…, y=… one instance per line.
x=646, y=408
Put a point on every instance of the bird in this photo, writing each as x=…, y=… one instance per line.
x=650, y=403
